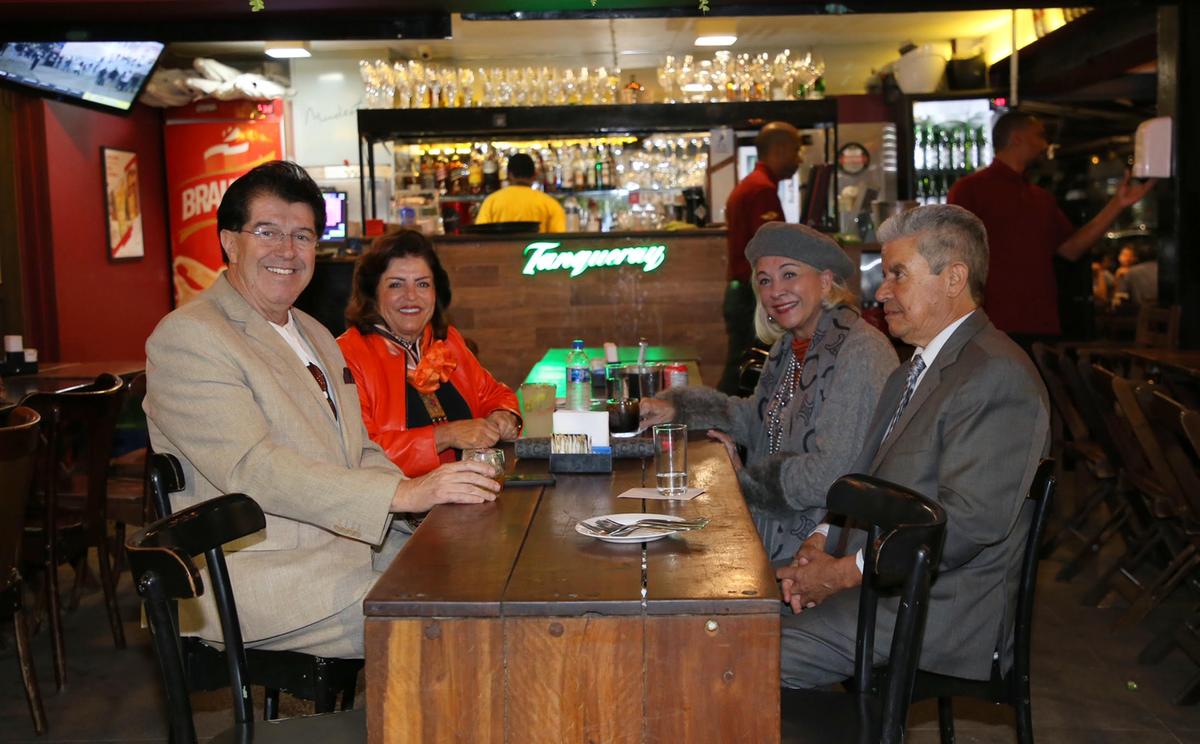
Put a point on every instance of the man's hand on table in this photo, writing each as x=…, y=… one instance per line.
x=814, y=575
x=463, y=482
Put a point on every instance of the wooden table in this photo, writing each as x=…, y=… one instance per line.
x=500, y=623
x=1185, y=362
x=551, y=368
x=58, y=376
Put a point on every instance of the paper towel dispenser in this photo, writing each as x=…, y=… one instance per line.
x=1152, y=149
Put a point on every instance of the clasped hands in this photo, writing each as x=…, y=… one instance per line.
x=814, y=575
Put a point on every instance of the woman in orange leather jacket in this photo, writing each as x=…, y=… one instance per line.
x=424, y=395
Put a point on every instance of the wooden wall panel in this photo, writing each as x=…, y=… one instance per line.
x=708, y=684
x=585, y=673
x=514, y=318
x=435, y=680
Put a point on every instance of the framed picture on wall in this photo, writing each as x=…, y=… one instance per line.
x=122, y=204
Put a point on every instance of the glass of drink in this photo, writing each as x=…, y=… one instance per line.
x=537, y=409
x=490, y=456
x=670, y=458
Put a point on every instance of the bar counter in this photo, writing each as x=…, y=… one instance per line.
x=517, y=295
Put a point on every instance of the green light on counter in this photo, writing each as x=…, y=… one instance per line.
x=545, y=256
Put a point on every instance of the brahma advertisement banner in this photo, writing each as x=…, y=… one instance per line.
x=208, y=145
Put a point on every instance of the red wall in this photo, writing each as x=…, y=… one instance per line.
x=105, y=310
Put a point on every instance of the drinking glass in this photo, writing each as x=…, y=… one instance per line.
x=490, y=456
x=670, y=458
x=537, y=408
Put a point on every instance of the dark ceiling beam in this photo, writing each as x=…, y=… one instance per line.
x=1100, y=46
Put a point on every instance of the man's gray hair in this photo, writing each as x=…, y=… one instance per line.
x=944, y=233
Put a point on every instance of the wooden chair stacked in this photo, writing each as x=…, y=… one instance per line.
x=76, y=434
x=905, y=532
x=161, y=559
x=1178, y=431
x=18, y=447
x=1009, y=687
x=1075, y=441
x=302, y=675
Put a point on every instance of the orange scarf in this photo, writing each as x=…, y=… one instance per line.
x=437, y=362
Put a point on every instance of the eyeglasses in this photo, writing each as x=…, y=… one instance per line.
x=274, y=237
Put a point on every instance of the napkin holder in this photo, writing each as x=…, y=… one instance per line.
x=538, y=448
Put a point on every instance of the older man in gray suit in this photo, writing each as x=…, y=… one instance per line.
x=965, y=422
x=254, y=396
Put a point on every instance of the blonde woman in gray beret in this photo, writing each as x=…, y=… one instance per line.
x=808, y=416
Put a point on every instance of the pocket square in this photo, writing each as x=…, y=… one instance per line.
x=346, y=376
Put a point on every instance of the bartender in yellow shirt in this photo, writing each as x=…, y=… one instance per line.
x=519, y=202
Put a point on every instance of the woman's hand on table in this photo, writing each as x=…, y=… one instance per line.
x=466, y=434
x=730, y=448
x=453, y=483
x=653, y=411
x=507, y=424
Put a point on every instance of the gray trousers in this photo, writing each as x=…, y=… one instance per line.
x=817, y=646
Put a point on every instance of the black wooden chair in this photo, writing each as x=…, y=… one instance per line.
x=77, y=432
x=18, y=445
x=302, y=675
x=1011, y=687
x=160, y=556
x=904, y=543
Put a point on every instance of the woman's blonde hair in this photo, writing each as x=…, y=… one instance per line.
x=769, y=331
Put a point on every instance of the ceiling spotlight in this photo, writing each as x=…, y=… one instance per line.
x=288, y=49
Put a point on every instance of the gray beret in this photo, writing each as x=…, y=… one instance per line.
x=801, y=243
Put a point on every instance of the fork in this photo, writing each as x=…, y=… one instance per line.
x=616, y=529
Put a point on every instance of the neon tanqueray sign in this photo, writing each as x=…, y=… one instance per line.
x=546, y=256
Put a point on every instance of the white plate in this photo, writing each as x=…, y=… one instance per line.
x=644, y=534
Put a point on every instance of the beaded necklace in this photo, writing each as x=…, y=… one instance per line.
x=784, y=394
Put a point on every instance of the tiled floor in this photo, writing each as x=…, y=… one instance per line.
x=1087, y=685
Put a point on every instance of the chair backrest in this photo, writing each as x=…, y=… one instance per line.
x=905, y=533
x=1127, y=395
x=1158, y=327
x=18, y=445
x=1166, y=418
x=160, y=558
x=164, y=476
x=90, y=411
x=1041, y=493
x=1121, y=444
x=1050, y=363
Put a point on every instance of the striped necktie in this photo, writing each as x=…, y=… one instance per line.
x=915, y=367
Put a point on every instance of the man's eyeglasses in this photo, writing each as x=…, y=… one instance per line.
x=273, y=237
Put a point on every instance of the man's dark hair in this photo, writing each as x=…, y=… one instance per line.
x=1006, y=125
x=278, y=178
x=521, y=166
x=363, y=310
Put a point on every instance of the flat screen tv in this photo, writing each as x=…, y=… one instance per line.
x=108, y=75
x=335, y=216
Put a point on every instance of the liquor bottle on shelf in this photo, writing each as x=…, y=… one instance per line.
x=475, y=172
x=491, y=172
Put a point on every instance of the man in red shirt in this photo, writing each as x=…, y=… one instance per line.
x=752, y=203
x=1026, y=229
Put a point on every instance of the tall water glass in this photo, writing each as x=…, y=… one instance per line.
x=670, y=458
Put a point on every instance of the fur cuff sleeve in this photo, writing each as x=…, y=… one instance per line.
x=699, y=407
x=761, y=486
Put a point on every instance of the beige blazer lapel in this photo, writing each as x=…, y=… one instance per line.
x=289, y=370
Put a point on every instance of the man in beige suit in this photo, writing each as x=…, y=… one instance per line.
x=253, y=396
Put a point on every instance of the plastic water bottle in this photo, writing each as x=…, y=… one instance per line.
x=579, y=378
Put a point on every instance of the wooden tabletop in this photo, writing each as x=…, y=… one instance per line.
x=1187, y=362
x=521, y=555
x=53, y=377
